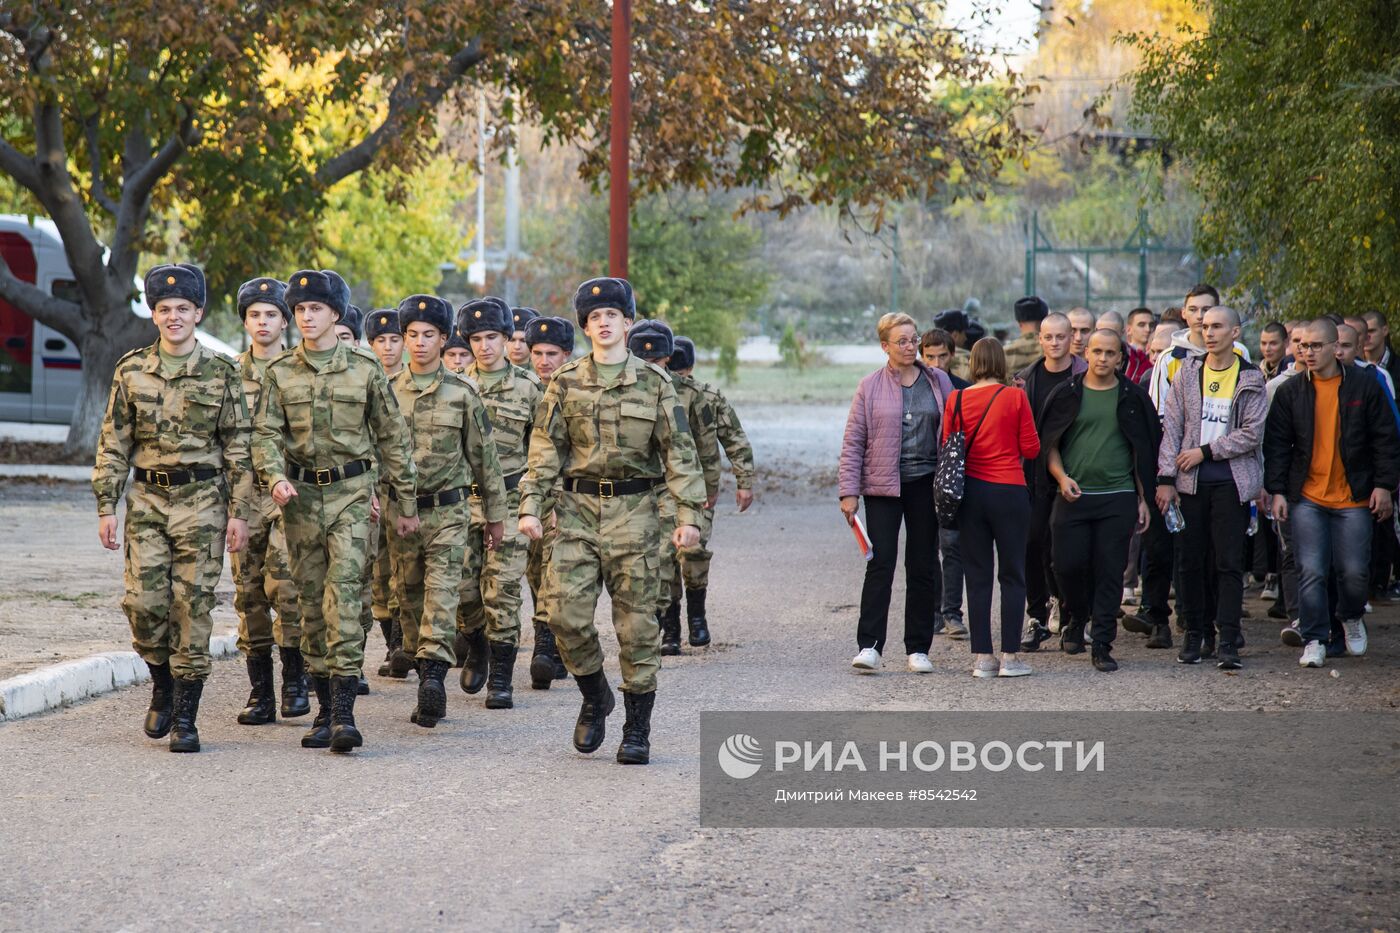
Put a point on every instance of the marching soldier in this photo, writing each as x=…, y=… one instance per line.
x=653, y=341
x=176, y=415
x=262, y=574
x=385, y=338
x=458, y=354
x=326, y=410
x=551, y=342
x=610, y=425
x=695, y=562
x=517, y=347
x=489, y=615
x=454, y=454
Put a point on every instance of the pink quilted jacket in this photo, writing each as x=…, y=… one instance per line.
x=870, y=449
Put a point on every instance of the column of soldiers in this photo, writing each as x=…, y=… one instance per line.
x=351, y=488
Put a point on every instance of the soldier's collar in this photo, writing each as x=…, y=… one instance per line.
x=339, y=357
x=630, y=367
x=196, y=356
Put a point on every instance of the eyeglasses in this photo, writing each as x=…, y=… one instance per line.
x=907, y=342
x=1314, y=347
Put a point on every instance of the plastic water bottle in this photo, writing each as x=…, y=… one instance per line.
x=1253, y=519
x=1174, y=519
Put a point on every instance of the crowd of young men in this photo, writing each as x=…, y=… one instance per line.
x=1224, y=467
x=413, y=486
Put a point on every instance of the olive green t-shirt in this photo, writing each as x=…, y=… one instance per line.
x=423, y=380
x=170, y=364
x=609, y=372
x=489, y=380
x=1095, y=452
x=319, y=358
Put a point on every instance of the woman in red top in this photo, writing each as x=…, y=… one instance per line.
x=996, y=421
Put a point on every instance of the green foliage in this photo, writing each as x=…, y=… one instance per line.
x=1288, y=115
x=791, y=349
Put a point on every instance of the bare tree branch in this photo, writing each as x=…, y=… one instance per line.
x=142, y=173
x=19, y=167
x=407, y=96
x=99, y=187
x=63, y=316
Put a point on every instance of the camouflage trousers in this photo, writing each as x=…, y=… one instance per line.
x=613, y=543
x=668, y=579
x=262, y=577
x=494, y=601
x=174, y=558
x=384, y=602
x=328, y=534
x=538, y=556
x=695, y=561
x=428, y=579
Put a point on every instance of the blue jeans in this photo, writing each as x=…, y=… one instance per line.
x=951, y=610
x=1325, y=541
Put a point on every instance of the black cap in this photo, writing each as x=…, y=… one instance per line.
x=354, y=319
x=457, y=342
x=521, y=317
x=682, y=355
x=604, y=293
x=484, y=314
x=181, y=280
x=551, y=330
x=1031, y=309
x=325, y=286
x=266, y=290
x=382, y=321
x=425, y=309
x=651, y=340
x=951, y=320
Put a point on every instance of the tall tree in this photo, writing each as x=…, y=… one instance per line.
x=120, y=106
x=1288, y=115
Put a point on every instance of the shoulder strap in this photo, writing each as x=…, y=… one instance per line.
x=985, y=412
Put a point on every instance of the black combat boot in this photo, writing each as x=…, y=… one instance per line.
x=474, y=662
x=261, y=708
x=294, y=699
x=670, y=622
x=184, y=737
x=344, y=735
x=400, y=663
x=386, y=626
x=461, y=647
x=499, y=693
x=636, y=731
x=157, y=724
x=542, y=658
x=432, y=695
x=319, y=735
x=1161, y=636
x=695, y=618
x=598, y=702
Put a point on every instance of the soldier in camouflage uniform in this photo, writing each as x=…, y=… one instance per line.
x=457, y=356
x=653, y=341
x=348, y=330
x=517, y=347
x=956, y=322
x=1025, y=349
x=695, y=562
x=454, y=453
x=262, y=573
x=326, y=409
x=551, y=342
x=489, y=614
x=385, y=337
x=176, y=415
x=610, y=424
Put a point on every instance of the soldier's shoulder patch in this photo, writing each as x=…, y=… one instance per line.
x=528, y=376
x=138, y=355
x=568, y=367
x=707, y=414
x=682, y=422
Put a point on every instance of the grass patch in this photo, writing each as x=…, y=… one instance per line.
x=770, y=384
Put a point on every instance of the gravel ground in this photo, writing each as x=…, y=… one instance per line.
x=492, y=819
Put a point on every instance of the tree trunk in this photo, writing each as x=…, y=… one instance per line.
x=100, y=349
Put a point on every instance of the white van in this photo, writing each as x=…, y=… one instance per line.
x=39, y=368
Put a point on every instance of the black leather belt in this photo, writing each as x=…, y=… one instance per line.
x=608, y=488
x=434, y=499
x=512, y=481
x=167, y=478
x=326, y=477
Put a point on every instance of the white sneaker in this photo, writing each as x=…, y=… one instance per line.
x=984, y=665
x=920, y=664
x=1130, y=597
x=1292, y=636
x=1368, y=609
x=1013, y=667
x=867, y=661
x=1356, y=637
x=1314, y=655
x=1270, y=590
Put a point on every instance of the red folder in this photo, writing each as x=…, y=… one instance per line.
x=867, y=550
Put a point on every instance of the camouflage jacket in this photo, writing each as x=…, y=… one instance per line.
x=326, y=419
x=633, y=429
x=1022, y=352
x=511, y=403
x=731, y=436
x=196, y=418
x=701, y=415
x=452, y=443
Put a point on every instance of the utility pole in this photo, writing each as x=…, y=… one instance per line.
x=476, y=274
x=619, y=202
x=512, y=216
x=894, y=267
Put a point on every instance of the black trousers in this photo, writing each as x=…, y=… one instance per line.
x=1158, y=561
x=994, y=517
x=1040, y=564
x=913, y=507
x=1216, y=522
x=1091, y=550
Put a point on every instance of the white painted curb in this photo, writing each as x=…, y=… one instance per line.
x=63, y=684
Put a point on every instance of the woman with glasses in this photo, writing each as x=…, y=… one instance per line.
x=888, y=456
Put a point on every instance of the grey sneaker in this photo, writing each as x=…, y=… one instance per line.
x=984, y=665
x=954, y=628
x=1013, y=667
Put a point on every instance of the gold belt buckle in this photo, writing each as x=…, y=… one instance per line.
x=475, y=490
x=605, y=489
x=324, y=482
x=162, y=478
